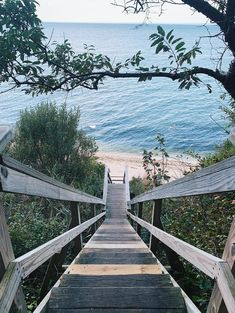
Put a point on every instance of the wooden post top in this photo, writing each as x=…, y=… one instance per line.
x=6, y=135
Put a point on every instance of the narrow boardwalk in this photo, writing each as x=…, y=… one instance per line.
x=116, y=272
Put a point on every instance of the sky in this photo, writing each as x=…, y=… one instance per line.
x=101, y=11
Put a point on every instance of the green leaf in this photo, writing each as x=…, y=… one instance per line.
x=180, y=45
x=176, y=40
x=157, y=41
x=161, y=30
x=159, y=48
x=169, y=34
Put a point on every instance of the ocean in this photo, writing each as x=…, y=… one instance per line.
x=125, y=115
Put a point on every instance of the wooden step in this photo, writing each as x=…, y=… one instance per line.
x=143, y=280
x=113, y=269
x=111, y=310
x=116, y=297
x=97, y=258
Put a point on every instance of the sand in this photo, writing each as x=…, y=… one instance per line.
x=117, y=161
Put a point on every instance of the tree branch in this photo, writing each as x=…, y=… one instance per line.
x=208, y=10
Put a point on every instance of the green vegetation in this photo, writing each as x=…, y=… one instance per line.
x=47, y=138
x=26, y=51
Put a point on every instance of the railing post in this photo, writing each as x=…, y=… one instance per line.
x=76, y=220
x=156, y=221
x=6, y=256
x=94, y=226
x=173, y=258
x=132, y=211
x=216, y=304
x=56, y=261
x=139, y=214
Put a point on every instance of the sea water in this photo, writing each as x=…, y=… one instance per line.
x=125, y=115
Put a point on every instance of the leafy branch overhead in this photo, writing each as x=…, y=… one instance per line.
x=30, y=61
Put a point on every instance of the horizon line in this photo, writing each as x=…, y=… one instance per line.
x=127, y=23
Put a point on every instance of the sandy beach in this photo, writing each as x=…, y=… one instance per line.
x=117, y=161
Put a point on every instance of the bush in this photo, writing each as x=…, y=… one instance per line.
x=47, y=138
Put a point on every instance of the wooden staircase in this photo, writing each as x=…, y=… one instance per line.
x=115, y=271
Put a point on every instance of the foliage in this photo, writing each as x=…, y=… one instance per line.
x=30, y=223
x=229, y=111
x=47, y=139
x=155, y=169
x=23, y=64
x=137, y=186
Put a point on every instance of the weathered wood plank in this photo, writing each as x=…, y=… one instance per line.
x=226, y=283
x=135, y=280
x=16, y=182
x=156, y=221
x=6, y=135
x=121, y=251
x=9, y=286
x=6, y=256
x=6, y=250
x=111, y=310
x=215, y=305
x=113, y=269
x=99, y=258
x=213, y=179
x=116, y=297
x=115, y=245
x=14, y=175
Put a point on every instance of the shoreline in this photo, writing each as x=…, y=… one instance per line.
x=116, y=162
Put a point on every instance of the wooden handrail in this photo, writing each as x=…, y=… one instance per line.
x=18, y=178
x=27, y=263
x=213, y=179
x=127, y=185
x=212, y=266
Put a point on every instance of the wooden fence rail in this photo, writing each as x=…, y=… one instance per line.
x=213, y=179
x=18, y=178
x=212, y=266
x=24, y=265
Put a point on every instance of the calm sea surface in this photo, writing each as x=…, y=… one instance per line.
x=124, y=115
